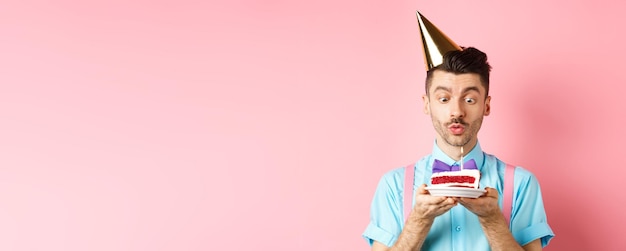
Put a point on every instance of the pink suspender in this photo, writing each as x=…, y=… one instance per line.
x=507, y=194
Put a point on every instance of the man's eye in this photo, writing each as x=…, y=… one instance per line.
x=470, y=100
x=443, y=100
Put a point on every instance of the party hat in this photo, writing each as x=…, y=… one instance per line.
x=436, y=43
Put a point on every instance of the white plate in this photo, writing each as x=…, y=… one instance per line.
x=455, y=191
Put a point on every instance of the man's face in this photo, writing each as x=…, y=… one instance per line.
x=456, y=104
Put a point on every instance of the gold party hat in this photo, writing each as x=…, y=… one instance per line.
x=436, y=43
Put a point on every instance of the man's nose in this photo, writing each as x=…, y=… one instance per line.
x=456, y=109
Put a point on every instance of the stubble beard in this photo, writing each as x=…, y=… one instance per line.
x=471, y=130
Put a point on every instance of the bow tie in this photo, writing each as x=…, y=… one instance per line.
x=439, y=166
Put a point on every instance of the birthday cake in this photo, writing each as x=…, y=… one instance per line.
x=468, y=177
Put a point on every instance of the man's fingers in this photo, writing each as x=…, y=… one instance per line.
x=490, y=192
x=422, y=189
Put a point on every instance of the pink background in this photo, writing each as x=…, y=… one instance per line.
x=266, y=125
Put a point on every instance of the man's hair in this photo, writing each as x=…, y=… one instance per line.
x=469, y=60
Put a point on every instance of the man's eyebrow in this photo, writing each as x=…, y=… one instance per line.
x=468, y=89
x=443, y=88
x=471, y=88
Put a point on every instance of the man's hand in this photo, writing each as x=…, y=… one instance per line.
x=484, y=206
x=420, y=221
x=493, y=222
x=428, y=207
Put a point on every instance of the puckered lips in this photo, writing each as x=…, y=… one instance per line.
x=456, y=128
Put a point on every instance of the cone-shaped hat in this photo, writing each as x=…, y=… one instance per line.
x=436, y=43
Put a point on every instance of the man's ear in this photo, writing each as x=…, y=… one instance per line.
x=487, y=105
x=426, y=104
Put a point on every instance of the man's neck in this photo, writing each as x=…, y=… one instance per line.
x=454, y=152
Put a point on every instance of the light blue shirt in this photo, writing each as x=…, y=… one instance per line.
x=459, y=229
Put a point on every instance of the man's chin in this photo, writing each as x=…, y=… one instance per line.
x=457, y=142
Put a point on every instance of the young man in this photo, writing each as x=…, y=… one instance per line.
x=457, y=98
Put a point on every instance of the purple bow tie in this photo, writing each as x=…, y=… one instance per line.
x=439, y=166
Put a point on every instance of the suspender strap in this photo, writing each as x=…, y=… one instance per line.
x=409, y=178
x=507, y=194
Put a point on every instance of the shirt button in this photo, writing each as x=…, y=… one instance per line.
x=458, y=228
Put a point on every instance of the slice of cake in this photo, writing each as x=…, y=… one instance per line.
x=468, y=177
x=464, y=178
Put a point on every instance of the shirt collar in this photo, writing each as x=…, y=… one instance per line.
x=476, y=153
